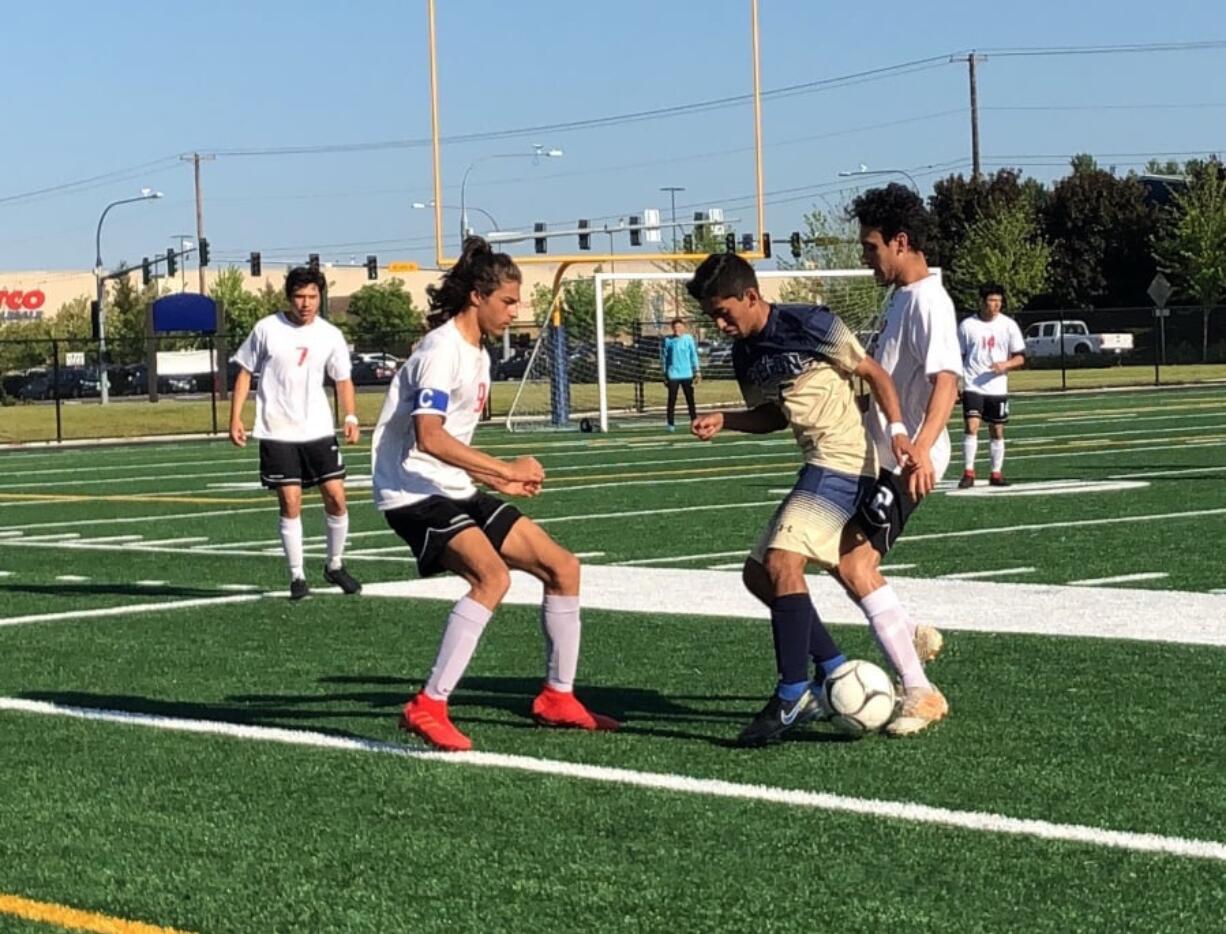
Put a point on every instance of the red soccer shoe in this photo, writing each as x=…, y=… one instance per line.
x=563, y=709
x=428, y=718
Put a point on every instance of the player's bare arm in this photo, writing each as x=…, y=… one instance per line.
x=883, y=390
x=1013, y=363
x=344, y=391
x=434, y=440
x=238, y=397
x=760, y=421
x=922, y=479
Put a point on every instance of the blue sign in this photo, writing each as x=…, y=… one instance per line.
x=185, y=312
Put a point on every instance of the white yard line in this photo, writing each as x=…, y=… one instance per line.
x=1119, y=579
x=911, y=812
x=150, y=583
x=1166, y=473
x=240, y=587
x=71, y=578
x=1039, y=526
x=58, y=537
x=113, y=539
x=126, y=610
x=976, y=575
x=187, y=540
x=894, y=568
x=123, y=520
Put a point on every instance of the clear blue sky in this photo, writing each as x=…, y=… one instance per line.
x=90, y=92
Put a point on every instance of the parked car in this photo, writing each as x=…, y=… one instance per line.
x=1043, y=339
x=75, y=382
x=513, y=367
x=366, y=373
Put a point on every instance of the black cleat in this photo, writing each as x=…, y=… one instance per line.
x=298, y=588
x=997, y=479
x=343, y=579
x=967, y=481
x=779, y=716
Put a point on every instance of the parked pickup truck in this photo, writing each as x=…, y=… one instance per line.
x=1043, y=340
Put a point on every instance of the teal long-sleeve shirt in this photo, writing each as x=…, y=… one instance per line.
x=679, y=357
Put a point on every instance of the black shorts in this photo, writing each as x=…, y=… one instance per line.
x=428, y=526
x=884, y=512
x=305, y=464
x=992, y=409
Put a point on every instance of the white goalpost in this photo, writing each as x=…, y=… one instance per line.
x=604, y=361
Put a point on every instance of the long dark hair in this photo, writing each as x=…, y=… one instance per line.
x=479, y=269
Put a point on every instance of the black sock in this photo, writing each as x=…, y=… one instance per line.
x=790, y=624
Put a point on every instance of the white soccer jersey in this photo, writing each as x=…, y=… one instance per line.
x=985, y=343
x=291, y=360
x=448, y=376
x=918, y=339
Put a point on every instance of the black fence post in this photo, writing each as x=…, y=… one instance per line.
x=55, y=376
x=213, y=381
x=1157, y=353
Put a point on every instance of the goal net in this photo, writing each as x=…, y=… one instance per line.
x=603, y=364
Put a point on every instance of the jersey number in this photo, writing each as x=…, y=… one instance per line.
x=302, y=355
x=881, y=502
x=482, y=392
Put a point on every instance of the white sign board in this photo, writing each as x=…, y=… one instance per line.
x=74, y=358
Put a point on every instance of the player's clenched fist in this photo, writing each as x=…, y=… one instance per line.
x=706, y=427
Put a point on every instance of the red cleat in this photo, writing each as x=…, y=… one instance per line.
x=428, y=718
x=562, y=708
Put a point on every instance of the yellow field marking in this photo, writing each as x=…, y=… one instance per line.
x=120, y=498
x=75, y=920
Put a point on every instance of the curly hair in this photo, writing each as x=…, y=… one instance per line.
x=301, y=276
x=893, y=209
x=479, y=269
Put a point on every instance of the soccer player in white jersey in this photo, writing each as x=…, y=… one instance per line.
x=992, y=345
x=424, y=468
x=918, y=347
x=291, y=352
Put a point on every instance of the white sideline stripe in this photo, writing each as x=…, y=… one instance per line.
x=9, y=533
x=151, y=583
x=112, y=539
x=661, y=781
x=59, y=536
x=975, y=575
x=28, y=485
x=734, y=566
x=973, y=605
x=71, y=578
x=6, y=573
x=887, y=568
x=190, y=539
x=673, y=559
x=1119, y=579
x=241, y=587
x=1036, y=526
x=1167, y=473
x=124, y=610
x=208, y=514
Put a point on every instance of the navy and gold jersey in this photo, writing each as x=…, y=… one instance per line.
x=802, y=362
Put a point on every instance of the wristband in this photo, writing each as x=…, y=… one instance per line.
x=351, y=419
x=897, y=428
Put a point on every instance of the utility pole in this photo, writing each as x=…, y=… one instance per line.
x=195, y=158
x=971, y=60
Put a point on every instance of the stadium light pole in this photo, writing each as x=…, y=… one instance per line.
x=538, y=152
x=865, y=170
x=146, y=194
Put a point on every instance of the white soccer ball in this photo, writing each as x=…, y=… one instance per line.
x=860, y=697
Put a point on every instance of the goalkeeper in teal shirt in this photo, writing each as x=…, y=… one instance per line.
x=679, y=359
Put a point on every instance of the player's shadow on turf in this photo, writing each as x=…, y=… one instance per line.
x=100, y=589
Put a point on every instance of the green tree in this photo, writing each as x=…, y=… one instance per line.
x=831, y=243
x=1004, y=246
x=242, y=308
x=24, y=345
x=1191, y=244
x=126, y=309
x=624, y=309
x=1100, y=228
x=381, y=314
x=73, y=318
x=958, y=202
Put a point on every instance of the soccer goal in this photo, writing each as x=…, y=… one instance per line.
x=603, y=364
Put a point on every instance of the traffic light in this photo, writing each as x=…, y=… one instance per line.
x=95, y=321
x=794, y=240
x=313, y=262
x=730, y=242
x=254, y=261
x=203, y=255
x=687, y=243
x=540, y=244
x=766, y=245
x=146, y=274
x=172, y=263
x=372, y=267
x=636, y=235
x=585, y=239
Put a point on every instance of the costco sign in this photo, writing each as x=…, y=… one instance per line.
x=16, y=304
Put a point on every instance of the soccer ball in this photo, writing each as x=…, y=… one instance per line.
x=860, y=697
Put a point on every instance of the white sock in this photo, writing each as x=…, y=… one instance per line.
x=997, y=447
x=291, y=544
x=464, y=627
x=338, y=531
x=561, y=627
x=970, y=447
x=895, y=634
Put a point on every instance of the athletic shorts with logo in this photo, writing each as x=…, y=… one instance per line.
x=428, y=526
x=305, y=464
x=884, y=512
x=992, y=409
x=810, y=520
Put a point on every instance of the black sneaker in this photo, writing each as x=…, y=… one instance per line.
x=298, y=589
x=997, y=479
x=343, y=579
x=967, y=481
x=779, y=716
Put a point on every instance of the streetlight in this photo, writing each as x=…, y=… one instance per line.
x=422, y=205
x=538, y=152
x=865, y=170
x=146, y=194
x=185, y=243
